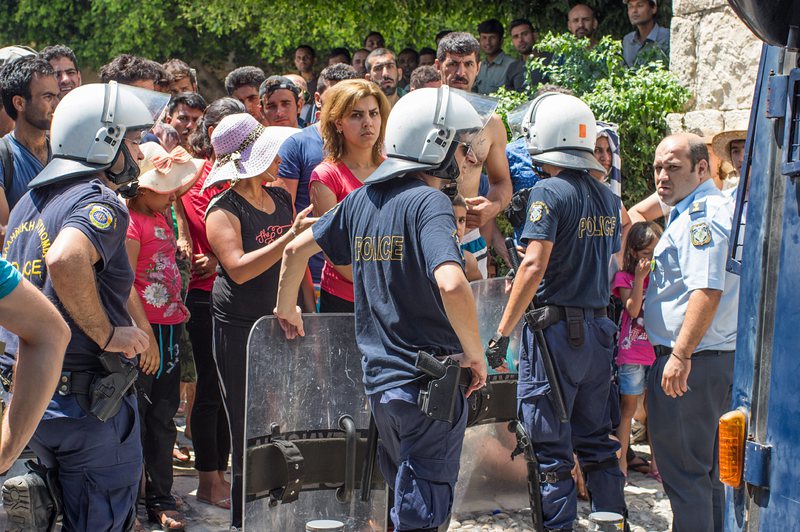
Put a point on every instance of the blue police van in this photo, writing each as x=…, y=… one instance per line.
x=760, y=436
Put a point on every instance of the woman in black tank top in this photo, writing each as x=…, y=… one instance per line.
x=248, y=226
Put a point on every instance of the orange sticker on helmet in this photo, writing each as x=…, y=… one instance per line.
x=582, y=131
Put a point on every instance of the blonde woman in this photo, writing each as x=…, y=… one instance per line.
x=352, y=124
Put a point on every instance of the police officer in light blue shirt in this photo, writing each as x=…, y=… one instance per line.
x=691, y=321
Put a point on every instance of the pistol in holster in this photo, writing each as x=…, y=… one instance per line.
x=106, y=392
x=437, y=398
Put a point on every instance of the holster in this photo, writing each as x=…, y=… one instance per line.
x=437, y=398
x=100, y=394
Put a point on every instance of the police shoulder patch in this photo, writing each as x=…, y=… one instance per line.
x=101, y=216
x=700, y=234
x=538, y=210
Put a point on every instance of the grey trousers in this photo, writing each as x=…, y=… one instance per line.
x=683, y=432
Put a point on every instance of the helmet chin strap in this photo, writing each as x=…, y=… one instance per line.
x=131, y=190
x=449, y=168
x=129, y=172
x=450, y=189
x=540, y=170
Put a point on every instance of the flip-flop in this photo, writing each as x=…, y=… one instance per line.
x=225, y=503
x=181, y=454
x=640, y=465
x=163, y=517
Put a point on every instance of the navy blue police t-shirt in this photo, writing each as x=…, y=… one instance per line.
x=95, y=211
x=580, y=216
x=395, y=234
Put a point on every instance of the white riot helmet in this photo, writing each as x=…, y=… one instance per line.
x=89, y=127
x=9, y=54
x=424, y=129
x=560, y=130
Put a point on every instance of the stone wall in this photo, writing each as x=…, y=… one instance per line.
x=716, y=56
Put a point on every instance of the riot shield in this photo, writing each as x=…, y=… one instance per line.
x=488, y=478
x=490, y=301
x=306, y=427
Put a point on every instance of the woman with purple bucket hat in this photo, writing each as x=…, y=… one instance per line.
x=248, y=227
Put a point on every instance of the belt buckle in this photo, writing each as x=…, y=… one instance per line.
x=64, y=384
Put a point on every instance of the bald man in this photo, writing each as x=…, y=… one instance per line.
x=690, y=318
x=582, y=22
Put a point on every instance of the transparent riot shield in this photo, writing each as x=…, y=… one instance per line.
x=488, y=478
x=306, y=427
x=490, y=301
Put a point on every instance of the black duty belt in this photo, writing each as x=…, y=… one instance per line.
x=540, y=318
x=76, y=382
x=544, y=316
x=563, y=312
x=664, y=351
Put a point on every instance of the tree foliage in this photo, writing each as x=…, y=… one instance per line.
x=218, y=32
x=637, y=100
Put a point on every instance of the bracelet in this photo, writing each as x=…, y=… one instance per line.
x=684, y=359
x=293, y=232
x=113, y=330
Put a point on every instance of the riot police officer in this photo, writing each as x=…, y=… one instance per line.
x=571, y=231
x=67, y=236
x=411, y=293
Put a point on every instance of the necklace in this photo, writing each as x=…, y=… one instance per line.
x=258, y=203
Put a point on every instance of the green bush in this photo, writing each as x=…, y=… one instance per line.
x=638, y=100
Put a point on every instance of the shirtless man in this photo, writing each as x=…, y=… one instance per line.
x=458, y=61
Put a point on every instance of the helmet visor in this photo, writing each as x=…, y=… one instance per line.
x=484, y=107
x=517, y=120
x=120, y=111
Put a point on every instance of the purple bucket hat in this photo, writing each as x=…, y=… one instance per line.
x=244, y=148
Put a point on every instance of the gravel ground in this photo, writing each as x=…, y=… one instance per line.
x=648, y=506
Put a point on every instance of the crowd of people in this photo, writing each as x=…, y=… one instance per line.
x=187, y=221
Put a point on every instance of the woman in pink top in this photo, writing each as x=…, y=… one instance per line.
x=352, y=124
x=635, y=355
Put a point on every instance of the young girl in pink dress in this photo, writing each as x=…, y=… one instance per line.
x=635, y=355
x=151, y=250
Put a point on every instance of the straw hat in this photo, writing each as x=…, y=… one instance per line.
x=244, y=148
x=166, y=173
x=721, y=142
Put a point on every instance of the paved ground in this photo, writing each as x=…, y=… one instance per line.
x=648, y=506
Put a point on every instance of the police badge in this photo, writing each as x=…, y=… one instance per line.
x=700, y=234
x=538, y=209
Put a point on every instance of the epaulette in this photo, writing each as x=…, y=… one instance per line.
x=697, y=208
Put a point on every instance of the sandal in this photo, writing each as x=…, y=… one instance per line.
x=181, y=454
x=640, y=465
x=170, y=520
x=225, y=503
